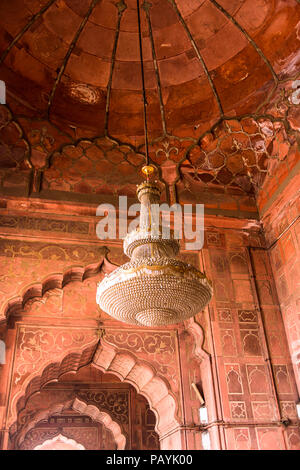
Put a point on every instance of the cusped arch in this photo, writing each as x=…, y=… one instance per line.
x=40, y=415
x=60, y=438
x=56, y=281
x=144, y=378
x=81, y=407
x=127, y=367
x=102, y=417
x=238, y=264
x=52, y=372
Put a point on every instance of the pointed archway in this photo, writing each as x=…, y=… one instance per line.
x=80, y=407
x=128, y=368
x=60, y=442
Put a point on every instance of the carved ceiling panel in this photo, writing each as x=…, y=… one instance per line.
x=100, y=166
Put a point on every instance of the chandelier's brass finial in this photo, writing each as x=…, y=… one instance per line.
x=148, y=170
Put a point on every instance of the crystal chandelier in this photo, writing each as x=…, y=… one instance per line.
x=154, y=288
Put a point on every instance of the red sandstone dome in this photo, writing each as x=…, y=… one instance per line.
x=77, y=61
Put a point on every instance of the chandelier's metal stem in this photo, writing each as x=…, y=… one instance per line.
x=143, y=83
x=149, y=198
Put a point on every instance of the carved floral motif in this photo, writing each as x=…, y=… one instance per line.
x=117, y=403
x=37, y=345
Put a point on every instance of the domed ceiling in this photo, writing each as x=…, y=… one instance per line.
x=221, y=65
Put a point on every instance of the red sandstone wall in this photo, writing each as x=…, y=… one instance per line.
x=282, y=228
x=241, y=359
x=254, y=377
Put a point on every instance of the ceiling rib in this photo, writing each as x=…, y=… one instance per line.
x=69, y=52
x=173, y=3
x=248, y=37
x=121, y=5
x=26, y=27
x=146, y=6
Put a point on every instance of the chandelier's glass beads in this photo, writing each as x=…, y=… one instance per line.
x=153, y=288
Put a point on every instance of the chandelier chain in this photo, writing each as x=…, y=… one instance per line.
x=143, y=83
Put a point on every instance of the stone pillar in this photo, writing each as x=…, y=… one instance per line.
x=5, y=374
x=4, y=439
x=182, y=438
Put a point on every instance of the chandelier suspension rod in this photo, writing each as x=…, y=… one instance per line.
x=143, y=83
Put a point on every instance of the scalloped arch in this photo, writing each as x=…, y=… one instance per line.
x=101, y=417
x=127, y=367
x=83, y=408
x=62, y=439
x=57, y=281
